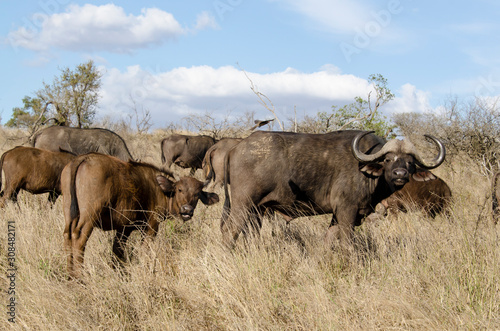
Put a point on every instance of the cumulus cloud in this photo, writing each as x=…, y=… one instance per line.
x=409, y=99
x=174, y=94
x=102, y=28
x=171, y=95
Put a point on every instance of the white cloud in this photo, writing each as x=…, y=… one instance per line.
x=409, y=99
x=205, y=20
x=173, y=94
x=103, y=28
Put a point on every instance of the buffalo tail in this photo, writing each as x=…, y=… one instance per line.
x=74, y=210
x=227, y=202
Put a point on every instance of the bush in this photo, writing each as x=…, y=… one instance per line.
x=467, y=128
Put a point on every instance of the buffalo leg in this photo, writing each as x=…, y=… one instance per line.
x=79, y=239
x=68, y=243
x=119, y=242
x=341, y=227
x=53, y=195
x=231, y=225
x=10, y=193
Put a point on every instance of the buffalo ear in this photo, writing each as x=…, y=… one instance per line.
x=209, y=198
x=423, y=176
x=373, y=169
x=167, y=186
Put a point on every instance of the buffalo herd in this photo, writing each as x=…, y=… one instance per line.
x=352, y=175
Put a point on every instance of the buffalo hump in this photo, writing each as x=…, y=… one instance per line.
x=81, y=141
x=345, y=173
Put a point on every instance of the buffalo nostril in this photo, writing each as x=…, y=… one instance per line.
x=400, y=173
x=187, y=209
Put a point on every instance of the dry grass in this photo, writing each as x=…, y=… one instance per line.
x=405, y=273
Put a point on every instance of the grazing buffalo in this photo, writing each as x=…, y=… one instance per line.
x=105, y=192
x=34, y=170
x=81, y=141
x=213, y=163
x=495, y=195
x=345, y=173
x=432, y=197
x=185, y=151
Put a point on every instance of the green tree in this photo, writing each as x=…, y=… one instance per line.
x=27, y=115
x=70, y=100
x=361, y=114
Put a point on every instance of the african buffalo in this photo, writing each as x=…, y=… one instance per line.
x=34, y=170
x=213, y=163
x=105, y=192
x=81, y=141
x=432, y=197
x=345, y=173
x=185, y=151
x=495, y=195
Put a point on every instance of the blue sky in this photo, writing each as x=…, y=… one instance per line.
x=177, y=58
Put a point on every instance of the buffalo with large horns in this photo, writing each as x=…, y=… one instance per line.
x=345, y=173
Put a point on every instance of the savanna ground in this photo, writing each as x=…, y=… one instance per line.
x=408, y=272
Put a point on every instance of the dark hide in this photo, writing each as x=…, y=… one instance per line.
x=81, y=141
x=185, y=151
x=311, y=174
x=213, y=163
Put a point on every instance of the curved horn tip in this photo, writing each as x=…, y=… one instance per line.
x=438, y=160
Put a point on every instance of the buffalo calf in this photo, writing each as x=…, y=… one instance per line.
x=102, y=191
x=34, y=170
x=432, y=197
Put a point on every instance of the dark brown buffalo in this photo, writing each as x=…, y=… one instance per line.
x=345, y=173
x=105, y=192
x=432, y=197
x=34, y=170
x=81, y=141
x=495, y=195
x=213, y=163
x=185, y=151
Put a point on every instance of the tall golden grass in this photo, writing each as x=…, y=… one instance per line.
x=408, y=272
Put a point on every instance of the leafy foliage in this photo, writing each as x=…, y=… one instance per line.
x=360, y=114
x=27, y=115
x=72, y=98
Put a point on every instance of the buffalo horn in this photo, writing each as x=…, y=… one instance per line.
x=360, y=156
x=437, y=160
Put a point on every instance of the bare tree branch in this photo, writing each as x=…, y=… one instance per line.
x=37, y=123
x=263, y=99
